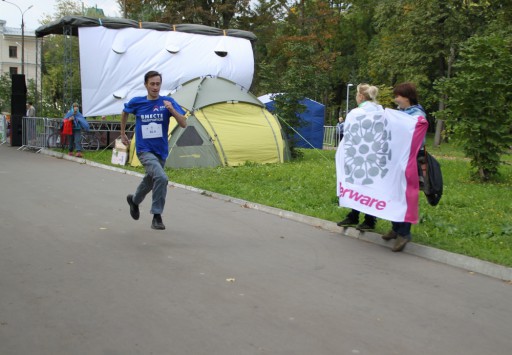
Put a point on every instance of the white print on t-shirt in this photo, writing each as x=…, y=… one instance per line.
x=152, y=130
x=152, y=117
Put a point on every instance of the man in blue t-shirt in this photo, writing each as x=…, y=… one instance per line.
x=152, y=114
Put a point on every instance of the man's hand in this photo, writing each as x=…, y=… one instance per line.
x=124, y=139
x=168, y=105
x=182, y=121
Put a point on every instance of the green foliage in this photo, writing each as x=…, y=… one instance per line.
x=5, y=92
x=416, y=41
x=298, y=61
x=55, y=49
x=479, y=101
x=210, y=13
x=295, y=84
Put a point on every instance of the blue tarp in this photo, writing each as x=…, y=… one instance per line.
x=312, y=130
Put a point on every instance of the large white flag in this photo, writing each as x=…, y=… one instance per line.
x=376, y=164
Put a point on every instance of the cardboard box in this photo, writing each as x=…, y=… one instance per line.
x=119, y=157
x=119, y=153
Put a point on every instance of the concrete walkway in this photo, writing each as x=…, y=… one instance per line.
x=79, y=276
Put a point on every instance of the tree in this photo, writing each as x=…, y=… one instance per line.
x=5, y=92
x=205, y=12
x=56, y=50
x=479, y=100
x=298, y=60
x=419, y=41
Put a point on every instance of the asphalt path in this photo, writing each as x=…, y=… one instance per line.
x=79, y=276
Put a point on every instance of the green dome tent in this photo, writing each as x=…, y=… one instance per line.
x=227, y=126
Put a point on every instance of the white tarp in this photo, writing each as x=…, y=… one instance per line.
x=376, y=167
x=113, y=63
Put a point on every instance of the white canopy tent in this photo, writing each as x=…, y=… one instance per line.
x=116, y=53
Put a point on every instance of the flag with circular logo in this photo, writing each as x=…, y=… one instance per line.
x=376, y=163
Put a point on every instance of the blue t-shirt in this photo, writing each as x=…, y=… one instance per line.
x=151, y=124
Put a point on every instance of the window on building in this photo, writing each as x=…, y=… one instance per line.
x=13, y=52
x=13, y=70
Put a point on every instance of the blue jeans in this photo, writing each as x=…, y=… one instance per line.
x=75, y=140
x=155, y=180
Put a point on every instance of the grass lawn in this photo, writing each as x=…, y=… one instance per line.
x=473, y=218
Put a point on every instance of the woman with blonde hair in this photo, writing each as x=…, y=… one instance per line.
x=366, y=98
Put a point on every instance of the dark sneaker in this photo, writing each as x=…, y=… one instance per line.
x=365, y=227
x=347, y=222
x=134, y=209
x=400, y=243
x=390, y=235
x=157, y=222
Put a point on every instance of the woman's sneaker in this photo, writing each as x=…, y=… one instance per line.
x=347, y=222
x=401, y=242
x=390, y=235
x=365, y=227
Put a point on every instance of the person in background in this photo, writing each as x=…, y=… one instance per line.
x=30, y=128
x=152, y=115
x=366, y=98
x=339, y=129
x=31, y=110
x=73, y=116
x=406, y=98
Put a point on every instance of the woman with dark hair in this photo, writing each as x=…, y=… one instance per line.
x=406, y=98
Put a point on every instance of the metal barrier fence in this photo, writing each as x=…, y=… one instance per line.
x=331, y=137
x=36, y=130
x=4, y=133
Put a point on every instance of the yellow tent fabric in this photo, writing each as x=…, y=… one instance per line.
x=243, y=134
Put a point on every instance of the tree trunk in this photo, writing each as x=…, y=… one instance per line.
x=438, y=134
x=440, y=123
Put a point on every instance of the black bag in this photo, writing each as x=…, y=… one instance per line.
x=433, y=187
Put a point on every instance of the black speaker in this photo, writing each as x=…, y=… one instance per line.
x=16, y=131
x=19, y=95
x=18, y=108
x=18, y=104
x=18, y=84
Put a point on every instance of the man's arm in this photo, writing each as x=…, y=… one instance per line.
x=124, y=119
x=182, y=120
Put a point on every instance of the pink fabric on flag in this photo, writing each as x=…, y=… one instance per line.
x=412, y=190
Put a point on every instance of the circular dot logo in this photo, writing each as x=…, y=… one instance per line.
x=367, y=150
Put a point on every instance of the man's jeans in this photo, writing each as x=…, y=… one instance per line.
x=155, y=179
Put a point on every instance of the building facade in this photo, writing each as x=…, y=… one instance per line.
x=11, y=41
